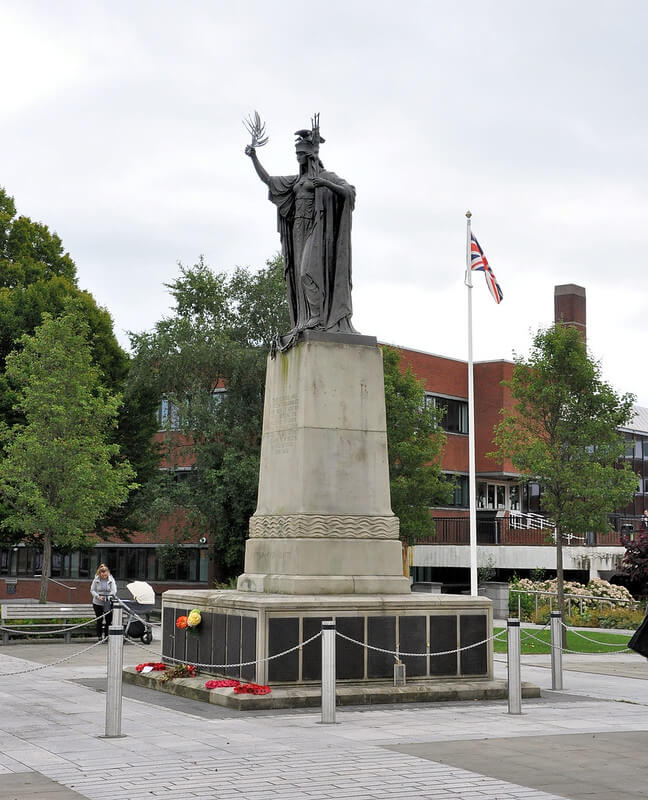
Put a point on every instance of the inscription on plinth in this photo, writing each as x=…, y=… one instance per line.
x=283, y=410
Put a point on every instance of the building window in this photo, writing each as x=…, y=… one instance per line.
x=168, y=416
x=182, y=474
x=460, y=490
x=218, y=395
x=455, y=412
x=498, y=496
x=531, y=498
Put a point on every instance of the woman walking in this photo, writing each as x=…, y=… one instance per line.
x=103, y=587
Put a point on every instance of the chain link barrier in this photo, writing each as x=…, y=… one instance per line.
x=529, y=635
x=594, y=641
x=229, y=666
x=28, y=628
x=399, y=653
x=53, y=663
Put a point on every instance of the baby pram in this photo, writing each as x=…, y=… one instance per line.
x=136, y=611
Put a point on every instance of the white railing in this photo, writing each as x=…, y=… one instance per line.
x=536, y=522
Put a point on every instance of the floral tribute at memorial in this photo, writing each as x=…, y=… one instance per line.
x=190, y=622
x=179, y=671
x=154, y=665
x=194, y=619
x=239, y=688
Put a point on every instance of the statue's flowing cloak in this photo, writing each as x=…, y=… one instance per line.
x=330, y=247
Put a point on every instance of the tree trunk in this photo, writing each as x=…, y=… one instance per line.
x=46, y=569
x=560, y=584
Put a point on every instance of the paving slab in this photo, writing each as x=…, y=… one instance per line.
x=593, y=766
x=34, y=786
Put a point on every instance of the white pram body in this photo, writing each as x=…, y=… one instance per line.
x=136, y=611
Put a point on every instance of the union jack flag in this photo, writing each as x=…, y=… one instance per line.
x=478, y=261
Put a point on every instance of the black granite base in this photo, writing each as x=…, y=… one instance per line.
x=430, y=643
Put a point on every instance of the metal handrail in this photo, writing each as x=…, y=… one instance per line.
x=63, y=585
x=634, y=604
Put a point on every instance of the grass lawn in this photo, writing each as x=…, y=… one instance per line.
x=575, y=641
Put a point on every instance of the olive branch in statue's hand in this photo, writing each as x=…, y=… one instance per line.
x=257, y=130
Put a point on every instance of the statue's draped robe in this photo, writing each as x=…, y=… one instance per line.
x=323, y=255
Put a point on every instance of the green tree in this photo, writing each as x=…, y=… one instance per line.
x=217, y=338
x=37, y=276
x=60, y=473
x=415, y=441
x=563, y=431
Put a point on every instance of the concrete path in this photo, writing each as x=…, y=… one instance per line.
x=585, y=743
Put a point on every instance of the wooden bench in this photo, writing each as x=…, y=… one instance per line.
x=42, y=611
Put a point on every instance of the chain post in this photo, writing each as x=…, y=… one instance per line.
x=328, y=672
x=115, y=668
x=514, y=679
x=556, y=651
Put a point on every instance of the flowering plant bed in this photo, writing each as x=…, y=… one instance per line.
x=598, y=604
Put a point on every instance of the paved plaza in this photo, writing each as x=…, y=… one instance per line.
x=587, y=742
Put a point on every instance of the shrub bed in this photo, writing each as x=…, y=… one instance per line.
x=588, y=606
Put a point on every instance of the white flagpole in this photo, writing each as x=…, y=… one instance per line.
x=471, y=425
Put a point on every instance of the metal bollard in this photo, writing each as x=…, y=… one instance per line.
x=556, y=651
x=115, y=667
x=328, y=671
x=514, y=679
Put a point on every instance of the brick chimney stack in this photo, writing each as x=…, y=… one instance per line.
x=570, y=307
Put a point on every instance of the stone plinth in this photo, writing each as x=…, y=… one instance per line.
x=323, y=523
x=247, y=628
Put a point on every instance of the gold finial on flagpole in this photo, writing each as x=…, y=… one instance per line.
x=469, y=214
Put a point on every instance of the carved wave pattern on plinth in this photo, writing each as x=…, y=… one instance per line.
x=323, y=526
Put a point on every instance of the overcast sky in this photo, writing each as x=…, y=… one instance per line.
x=120, y=128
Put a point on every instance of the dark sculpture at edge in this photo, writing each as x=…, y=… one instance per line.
x=314, y=222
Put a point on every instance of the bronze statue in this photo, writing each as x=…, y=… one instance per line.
x=314, y=221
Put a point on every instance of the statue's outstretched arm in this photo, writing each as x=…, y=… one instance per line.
x=251, y=152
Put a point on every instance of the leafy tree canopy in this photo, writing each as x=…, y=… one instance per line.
x=563, y=431
x=415, y=441
x=28, y=251
x=38, y=276
x=60, y=472
x=217, y=337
